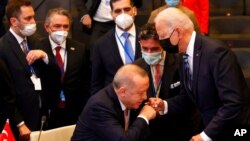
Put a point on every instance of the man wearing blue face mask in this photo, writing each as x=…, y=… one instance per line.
x=162, y=69
x=68, y=81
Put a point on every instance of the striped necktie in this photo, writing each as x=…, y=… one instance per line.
x=188, y=75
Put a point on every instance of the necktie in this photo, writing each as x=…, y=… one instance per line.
x=59, y=61
x=188, y=74
x=126, y=119
x=129, y=53
x=157, y=74
x=25, y=47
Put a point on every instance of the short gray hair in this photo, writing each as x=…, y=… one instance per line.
x=59, y=11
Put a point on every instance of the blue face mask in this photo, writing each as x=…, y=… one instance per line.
x=172, y=3
x=151, y=58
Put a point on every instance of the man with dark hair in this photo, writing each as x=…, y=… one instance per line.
x=163, y=71
x=24, y=60
x=118, y=47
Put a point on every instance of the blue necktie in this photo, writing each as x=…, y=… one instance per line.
x=188, y=75
x=129, y=53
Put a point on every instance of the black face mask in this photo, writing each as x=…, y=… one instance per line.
x=167, y=45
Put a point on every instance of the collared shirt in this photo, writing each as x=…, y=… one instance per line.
x=103, y=13
x=63, y=51
x=120, y=39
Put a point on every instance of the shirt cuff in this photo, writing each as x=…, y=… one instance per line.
x=205, y=137
x=46, y=59
x=165, y=108
x=140, y=116
x=20, y=124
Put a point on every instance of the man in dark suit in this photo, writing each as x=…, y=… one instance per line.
x=98, y=17
x=162, y=69
x=68, y=80
x=211, y=77
x=24, y=60
x=109, y=52
x=111, y=114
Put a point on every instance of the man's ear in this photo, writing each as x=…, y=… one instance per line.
x=121, y=91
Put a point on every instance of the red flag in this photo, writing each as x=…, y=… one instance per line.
x=7, y=134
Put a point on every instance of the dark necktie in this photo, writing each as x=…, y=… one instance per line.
x=129, y=53
x=188, y=75
x=59, y=61
x=126, y=119
x=25, y=47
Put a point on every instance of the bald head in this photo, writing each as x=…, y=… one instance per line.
x=127, y=75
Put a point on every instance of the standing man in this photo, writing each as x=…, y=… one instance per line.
x=111, y=114
x=211, y=76
x=118, y=47
x=98, y=17
x=68, y=80
x=24, y=60
x=163, y=72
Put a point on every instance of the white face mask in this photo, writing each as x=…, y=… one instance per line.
x=152, y=58
x=59, y=36
x=28, y=29
x=124, y=20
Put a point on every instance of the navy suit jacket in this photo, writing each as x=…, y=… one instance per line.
x=217, y=87
x=27, y=99
x=176, y=127
x=75, y=84
x=103, y=120
x=107, y=60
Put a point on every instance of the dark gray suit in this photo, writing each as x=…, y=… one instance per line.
x=107, y=60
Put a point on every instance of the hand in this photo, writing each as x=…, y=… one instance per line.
x=34, y=55
x=87, y=21
x=196, y=138
x=156, y=103
x=148, y=112
x=24, y=133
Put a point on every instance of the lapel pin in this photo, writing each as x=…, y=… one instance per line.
x=72, y=48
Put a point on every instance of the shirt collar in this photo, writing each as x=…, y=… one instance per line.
x=122, y=105
x=131, y=31
x=190, y=48
x=18, y=38
x=54, y=45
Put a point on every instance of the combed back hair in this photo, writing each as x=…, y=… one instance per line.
x=148, y=31
x=125, y=75
x=58, y=11
x=113, y=1
x=13, y=8
x=173, y=17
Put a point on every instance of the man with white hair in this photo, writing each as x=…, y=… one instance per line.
x=211, y=77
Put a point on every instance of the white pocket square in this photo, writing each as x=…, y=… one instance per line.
x=174, y=85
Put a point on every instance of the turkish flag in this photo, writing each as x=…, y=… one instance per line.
x=7, y=134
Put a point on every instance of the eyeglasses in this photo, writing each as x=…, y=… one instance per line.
x=125, y=10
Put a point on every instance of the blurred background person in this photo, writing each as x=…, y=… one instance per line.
x=67, y=87
x=3, y=4
x=118, y=47
x=116, y=108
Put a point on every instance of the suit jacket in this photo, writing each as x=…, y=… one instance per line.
x=75, y=84
x=107, y=60
x=103, y=120
x=176, y=127
x=184, y=9
x=217, y=87
x=7, y=97
x=201, y=11
x=27, y=99
x=3, y=4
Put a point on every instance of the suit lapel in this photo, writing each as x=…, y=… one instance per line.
x=196, y=61
x=115, y=48
x=137, y=46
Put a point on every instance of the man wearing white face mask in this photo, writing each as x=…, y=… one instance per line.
x=163, y=71
x=68, y=80
x=118, y=47
x=24, y=61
